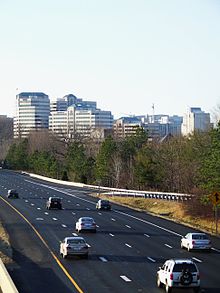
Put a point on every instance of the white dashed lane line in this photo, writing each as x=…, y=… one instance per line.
x=151, y=259
x=217, y=250
x=128, y=245
x=64, y=226
x=39, y=219
x=129, y=227
x=113, y=219
x=74, y=234
x=103, y=259
x=196, y=259
x=126, y=279
x=38, y=208
x=32, y=204
x=55, y=219
x=111, y=234
x=167, y=245
x=26, y=200
x=147, y=235
x=100, y=214
x=46, y=213
x=73, y=213
x=78, y=204
x=88, y=209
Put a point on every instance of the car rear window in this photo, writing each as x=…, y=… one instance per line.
x=76, y=241
x=180, y=267
x=87, y=220
x=105, y=202
x=55, y=199
x=200, y=237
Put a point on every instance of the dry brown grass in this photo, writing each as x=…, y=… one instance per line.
x=5, y=248
x=175, y=211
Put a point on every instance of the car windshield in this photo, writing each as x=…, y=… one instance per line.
x=180, y=267
x=199, y=236
x=75, y=241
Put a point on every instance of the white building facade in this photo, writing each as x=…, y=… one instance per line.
x=195, y=120
x=32, y=113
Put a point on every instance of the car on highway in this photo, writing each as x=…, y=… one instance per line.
x=85, y=224
x=54, y=203
x=196, y=241
x=12, y=193
x=178, y=273
x=103, y=204
x=73, y=246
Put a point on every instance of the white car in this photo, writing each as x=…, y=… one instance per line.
x=178, y=273
x=86, y=224
x=71, y=246
x=196, y=241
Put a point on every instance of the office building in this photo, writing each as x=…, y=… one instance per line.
x=32, y=113
x=195, y=120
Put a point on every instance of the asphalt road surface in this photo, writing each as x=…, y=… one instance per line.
x=124, y=254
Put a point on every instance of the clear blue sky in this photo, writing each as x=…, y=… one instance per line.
x=124, y=54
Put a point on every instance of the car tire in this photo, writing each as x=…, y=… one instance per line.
x=168, y=289
x=159, y=284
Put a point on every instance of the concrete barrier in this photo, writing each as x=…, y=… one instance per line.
x=6, y=283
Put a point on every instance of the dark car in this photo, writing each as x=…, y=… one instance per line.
x=12, y=193
x=54, y=203
x=103, y=205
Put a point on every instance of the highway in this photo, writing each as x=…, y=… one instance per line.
x=125, y=253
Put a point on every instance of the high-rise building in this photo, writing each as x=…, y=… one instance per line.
x=195, y=120
x=32, y=113
x=77, y=117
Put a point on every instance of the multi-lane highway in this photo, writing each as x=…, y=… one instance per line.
x=125, y=252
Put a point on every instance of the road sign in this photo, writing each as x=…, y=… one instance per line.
x=215, y=198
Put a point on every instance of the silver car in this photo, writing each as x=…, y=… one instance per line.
x=71, y=246
x=86, y=224
x=196, y=241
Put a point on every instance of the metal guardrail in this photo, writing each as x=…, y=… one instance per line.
x=123, y=192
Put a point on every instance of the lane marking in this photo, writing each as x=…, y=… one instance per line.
x=73, y=213
x=113, y=219
x=167, y=245
x=74, y=234
x=126, y=279
x=38, y=208
x=196, y=259
x=39, y=219
x=64, y=226
x=151, y=259
x=111, y=234
x=149, y=223
x=128, y=226
x=26, y=200
x=32, y=204
x=147, y=235
x=118, y=212
x=46, y=213
x=100, y=214
x=128, y=245
x=55, y=219
x=47, y=246
x=88, y=245
x=103, y=259
x=215, y=249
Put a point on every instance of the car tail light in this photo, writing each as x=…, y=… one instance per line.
x=171, y=276
x=193, y=242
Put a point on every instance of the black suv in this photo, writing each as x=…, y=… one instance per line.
x=12, y=193
x=103, y=205
x=54, y=203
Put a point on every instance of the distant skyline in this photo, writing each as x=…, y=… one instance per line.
x=124, y=54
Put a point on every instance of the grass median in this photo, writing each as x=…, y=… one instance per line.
x=5, y=247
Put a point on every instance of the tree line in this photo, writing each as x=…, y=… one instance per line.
x=176, y=164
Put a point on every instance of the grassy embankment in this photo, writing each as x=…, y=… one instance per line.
x=5, y=248
x=175, y=211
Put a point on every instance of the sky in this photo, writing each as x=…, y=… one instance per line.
x=127, y=55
